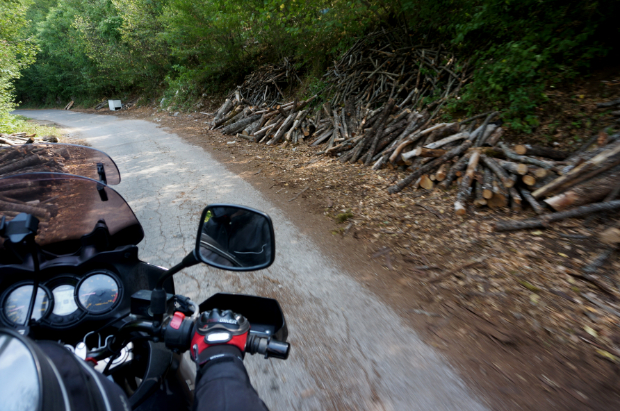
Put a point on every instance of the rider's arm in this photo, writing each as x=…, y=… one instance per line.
x=222, y=381
x=223, y=384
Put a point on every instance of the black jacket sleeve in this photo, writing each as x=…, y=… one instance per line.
x=224, y=385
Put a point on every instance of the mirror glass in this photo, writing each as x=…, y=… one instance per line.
x=235, y=238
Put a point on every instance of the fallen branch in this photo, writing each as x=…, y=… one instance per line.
x=543, y=222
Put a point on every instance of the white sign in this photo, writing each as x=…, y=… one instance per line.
x=114, y=105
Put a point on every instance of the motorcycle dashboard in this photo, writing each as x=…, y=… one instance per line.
x=63, y=300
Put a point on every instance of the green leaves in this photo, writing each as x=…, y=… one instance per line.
x=103, y=47
x=17, y=52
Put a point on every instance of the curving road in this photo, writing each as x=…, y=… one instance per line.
x=350, y=351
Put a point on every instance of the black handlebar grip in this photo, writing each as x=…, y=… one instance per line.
x=268, y=347
x=277, y=349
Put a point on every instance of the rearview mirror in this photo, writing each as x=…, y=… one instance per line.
x=235, y=238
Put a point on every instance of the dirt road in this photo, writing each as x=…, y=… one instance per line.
x=349, y=351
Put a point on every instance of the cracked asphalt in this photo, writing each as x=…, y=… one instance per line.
x=349, y=351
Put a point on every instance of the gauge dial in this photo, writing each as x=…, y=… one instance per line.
x=98, y=293
x=64, y=301
x=16, y=304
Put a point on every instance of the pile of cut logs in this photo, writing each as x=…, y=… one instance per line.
x=30, y=158
x=15, y=139
x=468, y=153
x=261, y=86
x=386, y=65
x=380, y=114
x=271, y=125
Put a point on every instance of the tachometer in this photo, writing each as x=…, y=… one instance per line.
x=98, y=293
x=15, y=306
x=64, y=301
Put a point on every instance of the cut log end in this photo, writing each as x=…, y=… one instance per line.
x=459, y=208
x=529, y=180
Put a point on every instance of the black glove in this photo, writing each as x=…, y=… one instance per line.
x=219, y=335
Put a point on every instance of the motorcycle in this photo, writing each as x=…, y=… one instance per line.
x=67, y=234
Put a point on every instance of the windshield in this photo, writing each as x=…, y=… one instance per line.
x=57, y=158
x=68, y=207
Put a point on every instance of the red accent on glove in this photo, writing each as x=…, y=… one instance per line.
x=177, y=320
x=238, y=341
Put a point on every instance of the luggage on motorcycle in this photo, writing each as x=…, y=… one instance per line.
x=59, y=158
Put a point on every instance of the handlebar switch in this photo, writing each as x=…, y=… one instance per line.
x=178, y=334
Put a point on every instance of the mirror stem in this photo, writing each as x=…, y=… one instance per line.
x=158, y=296
x=188, y=261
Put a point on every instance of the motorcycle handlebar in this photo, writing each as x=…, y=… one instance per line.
x=268, y=346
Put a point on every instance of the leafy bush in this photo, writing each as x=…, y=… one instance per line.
x=517, y=48
x=16, y=53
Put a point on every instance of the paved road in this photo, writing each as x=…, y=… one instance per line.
x=350, y=351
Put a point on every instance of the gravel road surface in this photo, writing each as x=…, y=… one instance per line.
x=349, y=351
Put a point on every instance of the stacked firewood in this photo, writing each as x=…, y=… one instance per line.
x=588, y=181
x=271, y=125
x=30, y=158
x=265, y=85
x=385, y=65
x=15, y=139
x=384, y=95
x=468, y=154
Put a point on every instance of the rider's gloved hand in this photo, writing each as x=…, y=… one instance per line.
x=219, y=336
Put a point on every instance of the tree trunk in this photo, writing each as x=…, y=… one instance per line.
x=537, y=151
x=487, y=184
x=500, y=194
x=494, y=138
x=523, y=159
x=440, y=175
x=375, y=140
x=223, y=110
x=423, y=152
x=515, y=200
x=23, y=163
x=240, y=125
x=465, y=188
x=543, y=222
x=587, y=192
x=456, y=168
x=536, y=206
x=457, y=151
x=499, y=172
x=283, y=129
x=228, y=117
x=599, y=163
x=459, y=136
x=479, y=201
x=514, y=168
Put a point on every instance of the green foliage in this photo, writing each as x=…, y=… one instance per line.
x=519, y=48
x=182, y=48
x=16, y=53
x=25, y=124
x=342, y=217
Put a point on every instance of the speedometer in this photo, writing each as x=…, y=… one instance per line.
x=15, y=306
x=98, y=293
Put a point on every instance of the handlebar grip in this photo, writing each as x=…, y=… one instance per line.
x=267, y=346
x=277, y=349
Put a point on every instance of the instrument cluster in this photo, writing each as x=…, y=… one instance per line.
x=63, y=300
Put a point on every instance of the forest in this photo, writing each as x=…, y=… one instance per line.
x=174, y=51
